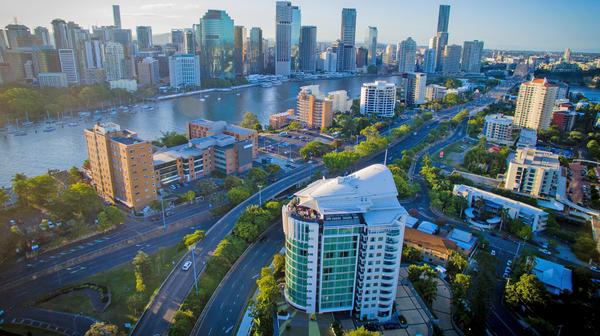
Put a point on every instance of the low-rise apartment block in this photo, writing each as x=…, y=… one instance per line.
x=498, y=128
x=201, y=128
x=533, y=172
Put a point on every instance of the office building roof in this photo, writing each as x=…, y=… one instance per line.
x=553, y=275
x=536, y=157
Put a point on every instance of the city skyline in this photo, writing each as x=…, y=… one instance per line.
x=399, y=21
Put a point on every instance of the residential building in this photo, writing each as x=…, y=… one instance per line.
x=527, y=138
x=93, y=54
x=308, y=49
x=498, y=128
x=62, y=38
x=434, y=91
x=486, y=210
x=533, y=172
x=378, y=98
x=371, y=43
x=330, y=60
x=256, y=57
x=535, y=104
x=464, y=240
x=564, y=119
x=184, y=70
x=428, y=227
x=121, y=165
x=283, y=37
x=42, y=36
x=117, y=15
x=52, y=79
x=451, y=59
x=406, y=55
x=202, y=128
x=18, y=36
x=340, y=101
x=189, y=40
x=567, y=55
x=435, y=249
x=414, y=88
x=555, y=277
x=217, y=45
x=389, y=57
x=45, y=59
x=239, y=36
x=177, y=39
x=313, y=109
x=144, y=37
x=280, y=120
x=429, y=60
x=68, y=65
x=362, y=57
x=441, y=37
x=471, y=56
x=344, y=239
x=147, y=70
x=114, y=61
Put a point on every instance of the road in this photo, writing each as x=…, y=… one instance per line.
x=157, y=318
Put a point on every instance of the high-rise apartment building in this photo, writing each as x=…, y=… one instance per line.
x=329, y=61
x=533, y=172
x=443, y=18
x=256, y=57
x=144, y=37
x=414, y=88
x=346, y=54
x=362, y=57
x=441, y=37
x=114, y=61
x=117, y=15
x=567, y=55
x=344, y=239
x=216, y=30
x=406, y=54
x=498, y=128
x=308, y=49
x=535, y=104
x=184, y=70
x=189, y=41
x=313, y=109
x=371, y=42
x=471, y=56
x=148, y=73
x=451, y=59
x=239, y=36
x=93, y=54
x=389, y=56
x=177, y=39
x=429, y=60
x=18, y=36
x=68, y=65
x=62, y=38
x=378, y=98
x=283, y=37
x=121, y=165
x=42, y=36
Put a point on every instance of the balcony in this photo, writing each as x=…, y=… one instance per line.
x=303, y=213
x=391, y=249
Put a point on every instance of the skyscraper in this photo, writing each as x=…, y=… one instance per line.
x=471, y=56
x=117, y=15
x=378, y=98
x=18, y=36
x=443, y=18
x=45, y=59
x=535, y=104
x=441, y=39
x=429, y=60
x=147, y=70
x=256, y=58
x=184, y=70
x=406, y=55
x=42, y=36
x=451, y=59
x=144, y=37
x=177, y=39
x=344, y=239
x=114, y=61
x=189, y=41
x=123, y=36
x=68, y=65
x=371, y=42
x=295, y=46
x=346, y=54
x=414, y=88
x=93, y=54
x=567, y=55
x=239, y=35
x=283, y=37
x=216, y=30
x=389, y=56
x=308, y=48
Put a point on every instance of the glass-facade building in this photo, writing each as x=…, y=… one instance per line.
x=216, y=38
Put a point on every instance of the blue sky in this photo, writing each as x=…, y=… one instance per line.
x=503, y=24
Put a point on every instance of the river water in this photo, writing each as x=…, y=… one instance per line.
x=37, y=152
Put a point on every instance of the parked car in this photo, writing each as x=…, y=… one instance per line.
x=186, y=265
x=595, y=268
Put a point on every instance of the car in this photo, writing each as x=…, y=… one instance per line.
x=595, y=268
x=509, y=262
x=186, y=265
x=545, y=251
x=493, y=252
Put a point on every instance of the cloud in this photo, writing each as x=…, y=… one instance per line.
x=158, y=5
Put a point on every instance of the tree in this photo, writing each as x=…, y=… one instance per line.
x=250, y=120
x=256, y=177
x=188, y=197
x=273, y=168
x=232, y=181
x=74, y=175
x=237, y=195
x=193, y=238
x=109, y=217
x=451, y=99
x=584, y=247
x=361, y=332
x=170, y=139
x=460, y=286
x=294, y=125
x=340, y=161
x=38, y=191
x=528, y=290
x=3, y=197
x=264, y=305
x=206, y=187
x=79, y=199
x=456, y=264
x=102, y=329
x=314, y=149
x=278, y=266
x=411, y=255
x=593, y=148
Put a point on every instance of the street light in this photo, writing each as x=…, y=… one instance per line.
x=260, y=195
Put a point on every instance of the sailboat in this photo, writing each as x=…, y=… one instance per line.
x=17, y=131
x=27, y=122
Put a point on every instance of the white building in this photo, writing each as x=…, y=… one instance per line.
x=434, y=91
x=414, y=88
x=498, y=128
x=340, y=101
x=52, y=79
x=68, y=65
x=344, y=240
x=329, y=59
x=533, y=172
x=114, y=61
x=378, y=98
x=406, y=54
x=125, y=84
x=283, y=38
x=184, y=70
x=493, y=206
x=535, y=104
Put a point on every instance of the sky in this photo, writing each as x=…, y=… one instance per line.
x=544, y=25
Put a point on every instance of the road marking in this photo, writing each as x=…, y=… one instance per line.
x=254, y=277
x=228, y=330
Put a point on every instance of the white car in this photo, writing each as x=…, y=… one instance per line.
x=186, y=265
x=493, y=252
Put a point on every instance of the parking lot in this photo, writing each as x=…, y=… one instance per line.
x=580, y=188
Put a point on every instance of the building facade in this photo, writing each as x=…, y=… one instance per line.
x=535, y=104
x=216, y=31
x=184, y=70
x=347, y=53
x=451, y=59
x=378, y=98
x=434, y=92
x=471, y=56
x=314, y=110
x=498, y=128
x=533, y=172
x=406, y=55
x=371, y=43
x=256, y=57
x=148, y=72
x=414, y=88
x=68, y=65
x=114, y=61
x=283, y=37
x=53, y=79
x=144, y=37
x=308, y=49
x=201, y=128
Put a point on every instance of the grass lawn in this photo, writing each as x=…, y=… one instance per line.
x=126, y=304
x=22, y=330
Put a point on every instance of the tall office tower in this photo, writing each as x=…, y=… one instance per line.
x=197, y=37
x=378, y=98
x=93, y=54
x=414, y=88
x=389, y=56
x=3, y=41
x=68, y=65
x=147, y=70
x=295, y=45
x=371, y=42
x=121, y=165
x=451, y=59
x=61, y=34
x=407, y=53
x=42, y=36
x=313, y=109
x=144, y=37
x=535, y=104
x=216, y=29
x=117, y=15
x=344, y=240
x=18, y=36
x=239, y=35
x=45, y=59
x=429, y=60
x=362, y=57
x=441, y=38
x=184, y=70
x=114, y=61
x=329, y=60
x=283, y=37
x=567, y=55
x=432, y=42
x=189, y=41
x=308, y=49
x=124, y=37
x=346, y=54
x=177, y=39
x=256, y=56
x=471, y=56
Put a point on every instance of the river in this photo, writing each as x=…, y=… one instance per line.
x=37, y=152
x=589, y=93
